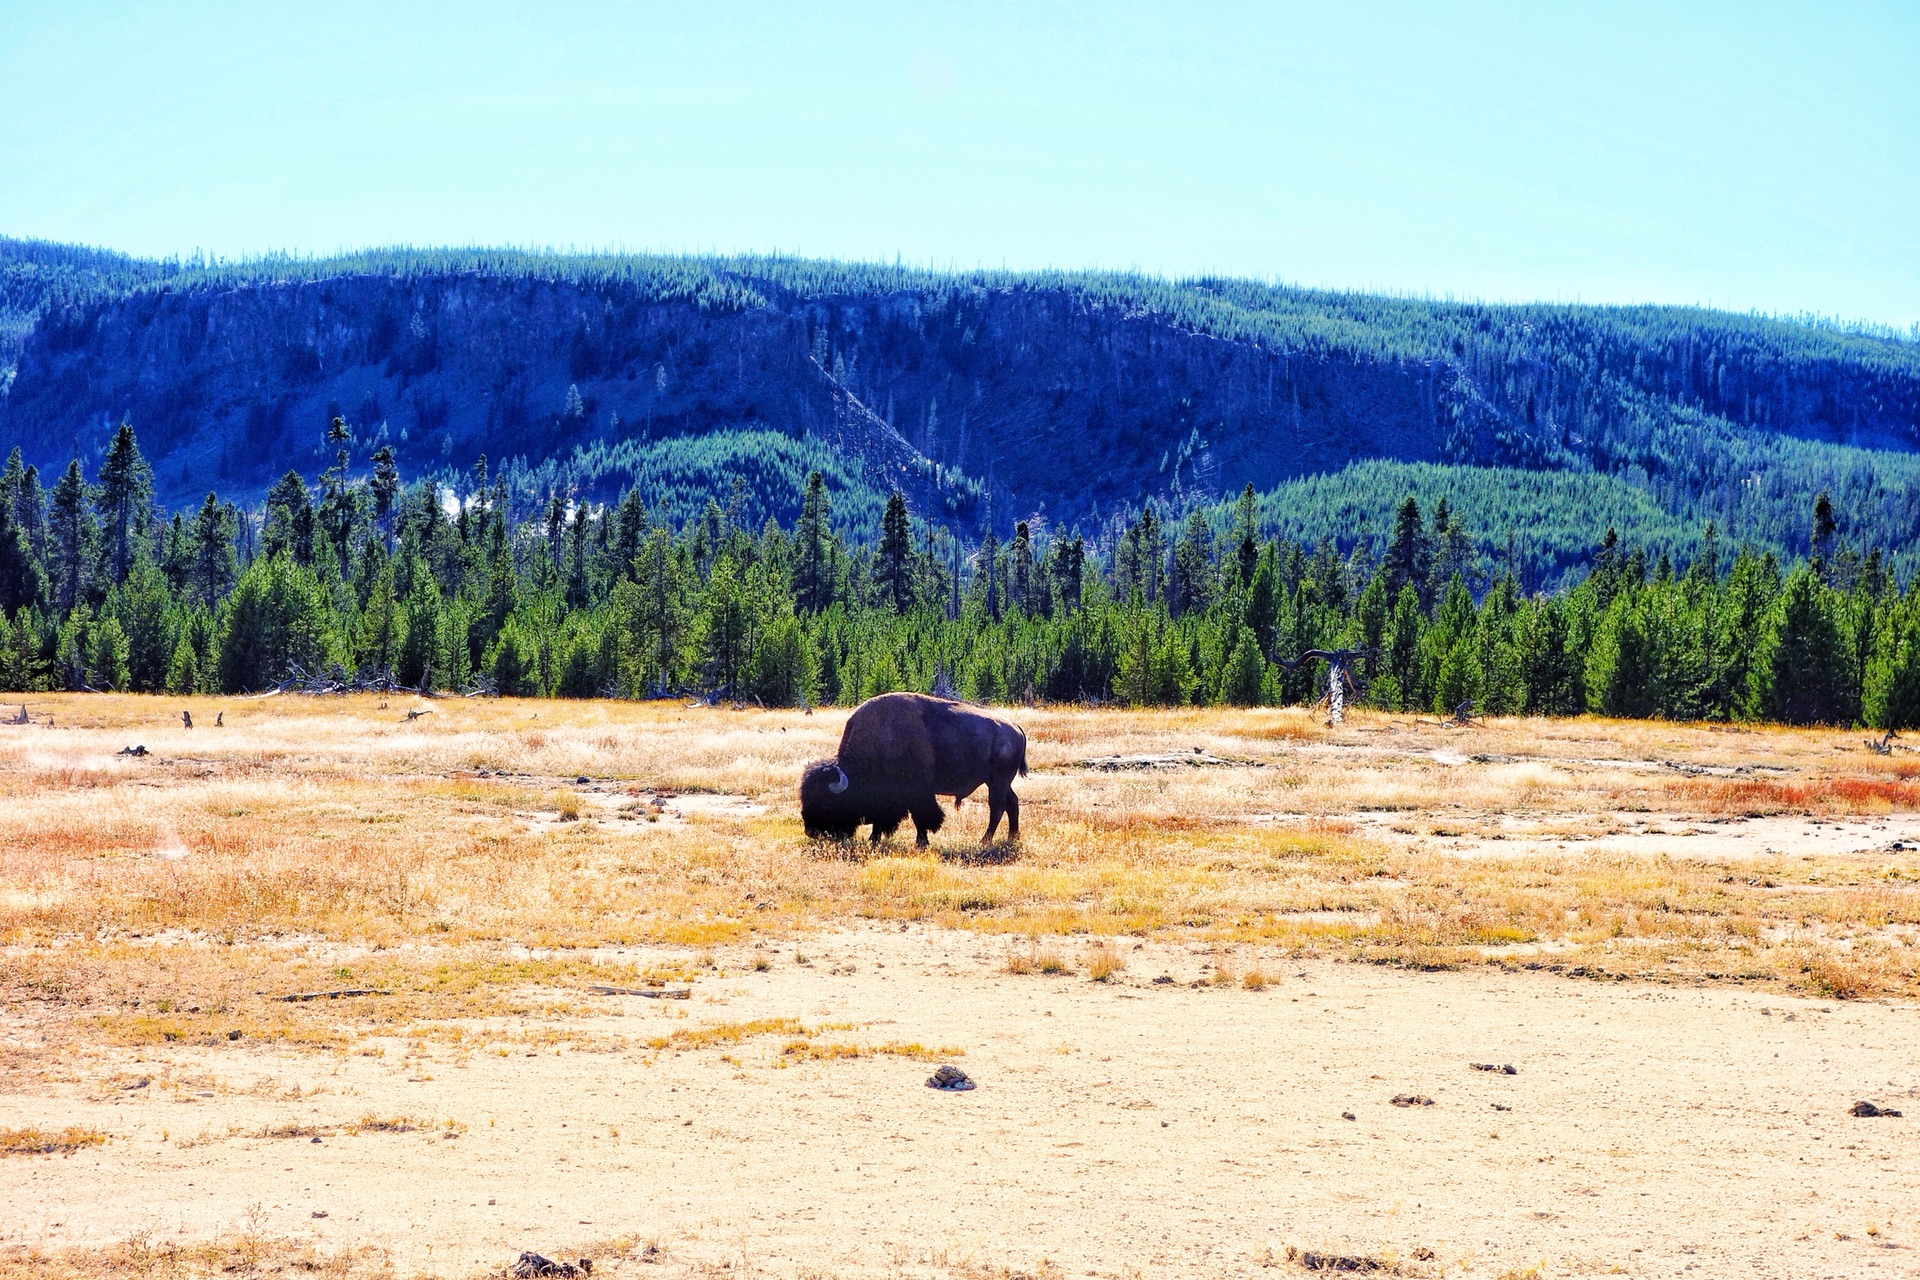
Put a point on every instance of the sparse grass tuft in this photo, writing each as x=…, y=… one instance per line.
x=1104, y=961
x=1036, y=959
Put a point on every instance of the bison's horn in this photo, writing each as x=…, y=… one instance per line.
x=841, y=785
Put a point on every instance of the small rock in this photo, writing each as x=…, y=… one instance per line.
x=1868, y=1109
x=532, y=1264
x=1412, y=1100
x=319, y=1213
x=950, y=1078
x=1346, y=1115
x=1505, y=1069
x=316, y=1142
x=233, y=1035
x=1498, y=1107
x=582, y=780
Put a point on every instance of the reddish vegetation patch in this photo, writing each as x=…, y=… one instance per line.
x=1898, y=795
x=1840, y=793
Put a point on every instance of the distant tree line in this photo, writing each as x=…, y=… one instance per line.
x=365, y=576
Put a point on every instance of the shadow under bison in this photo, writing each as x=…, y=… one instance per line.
x=898, y=754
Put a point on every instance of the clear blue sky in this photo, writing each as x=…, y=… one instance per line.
x=1748, y=155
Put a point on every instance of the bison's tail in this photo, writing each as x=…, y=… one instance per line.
x=1023, y=757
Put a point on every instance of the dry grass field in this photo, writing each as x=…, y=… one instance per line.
x=478, y=869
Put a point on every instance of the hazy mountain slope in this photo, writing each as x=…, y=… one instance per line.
x=1068, y=396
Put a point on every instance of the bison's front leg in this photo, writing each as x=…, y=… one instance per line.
x=927, y=818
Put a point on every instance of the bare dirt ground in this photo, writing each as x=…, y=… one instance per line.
x=1695, y=947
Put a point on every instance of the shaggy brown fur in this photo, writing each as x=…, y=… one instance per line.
x=899, y=752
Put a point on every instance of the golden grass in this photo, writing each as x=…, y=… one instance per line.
x=247, y=1253
x=37, y=1142
x=457, y=865
x=1104, y=961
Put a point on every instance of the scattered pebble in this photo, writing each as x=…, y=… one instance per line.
x=1868, y=1109
x=1505, y=1069
x=1412, y=1100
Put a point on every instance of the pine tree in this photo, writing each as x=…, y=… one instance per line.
x=1243, y=676
x=895, y=564
x=1190, y=586
x=1891, y=693
x=107, y=656
x=986, y=574
x=1620, y=668
x=1803, y=667
x=1020, y=570
x=630, y=527
x=276, y=619
x=213, y=566
x=1068, y=572
x=143, y=608
x=1549, y=672
x=1407, y=559
x=335, y=518
x=21, y=581
x=123, y=499
x=1451, y=553
x=656, y=616
x=1704, y=573
x=1825, y=528
x=1246, y=535
x=813, y=575
x=1263, y=602
x=725, y=628
x=385, y=488
x=381, y=633
x=71, y=537
x=289, y=524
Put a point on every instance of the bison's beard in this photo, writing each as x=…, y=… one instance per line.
x=824, y=814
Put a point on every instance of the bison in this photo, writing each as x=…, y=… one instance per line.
x=898, y=753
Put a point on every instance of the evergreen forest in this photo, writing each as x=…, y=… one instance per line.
x=360, y=576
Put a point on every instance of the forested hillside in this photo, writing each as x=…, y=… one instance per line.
x=1064, y=400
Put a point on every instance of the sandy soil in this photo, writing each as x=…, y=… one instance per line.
x=1127, y=1128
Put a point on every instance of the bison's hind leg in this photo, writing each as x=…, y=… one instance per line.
x=928, y=817
x=1002, y=801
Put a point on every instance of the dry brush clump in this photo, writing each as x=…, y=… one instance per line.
x=142, y=1258
x=46, y=1142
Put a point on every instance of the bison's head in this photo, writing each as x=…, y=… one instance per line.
x=828, y=806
